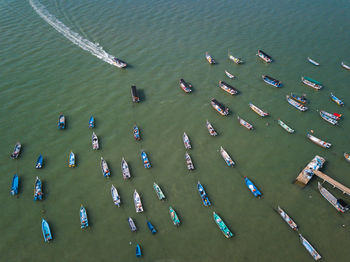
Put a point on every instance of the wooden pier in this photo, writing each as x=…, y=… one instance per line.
x=331, y=181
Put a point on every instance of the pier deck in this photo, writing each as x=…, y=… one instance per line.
x=331, y=181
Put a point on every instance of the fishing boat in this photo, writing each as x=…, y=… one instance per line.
x=189, y=162
x=71, y=159
x=271, y=81
x=132, y=224
x=186, y=87
x=338, y=204
x=138, y=251
x=145, y=160
x=337, y=100
x=125, y=169
x=104, y=167
x=228, y=88
x=134, y=95
x=334, y=116
x=318, y=141
x=136, y=133
x=264, y=56
x=223, y=110
x=299, y=99
x=14, y=186
x=39, y=162
x=38, y=189
x=345, y=66
x=119, y=63
x=221, y=224
x=245, y=123
x=115, y=196
x=296, y=104
x=236, y=60
x=287, y=218
x=211, y=129
x=328, y=118
x=252, y=187
x=84, y=222
x=159, y=191
x=174, y=216
x=92, y=122
x=137, y=202
x=61, y=122
x=285, y=127
x=16, y=150
x=311, y=82
x=94, y=141
x=203, y=195
x=229, y=75
x=313, y=61
x=226, y=157
x=210, y=59
x=258, y=110
x=316, y=256
x=347, y=157
x=186, y=141
x=46, y=230
x=151, y=227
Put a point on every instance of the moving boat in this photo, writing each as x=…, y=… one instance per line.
x=136, y=133
x=203, y=195
x=138, y=251
x=258, y=110
x=125, y=169
x=228, y=88
x=71, y=159
x=137, y=202
x=14, y=186
x=318, y=141
x=16, y=150
x=39, y=162
x=226, y=157
x=286, y=218
x=159, y=192
x=45, y=228
x=115, y=196
x=296, y=104
x=221, y=224
x=285, y=127
x=151, y=227
x=252, y=187
x=61, y=122
x=119, y=63
x=347, y=157
x=311, y=82
x=94, y=141
x=245, y=123
x=189, y=162
x=316, y=256
x=134, y=95
x=328, y=118
x=313, y=61
x=187, y=141
x=38, y=192
x=104, y=168
x=185, y=86
x=211, y=129
x=345, y=66
x=271, y=81
x=229, y=75
x=174, y=216
x=236, y=60
x=210, y=59
x=223, y=110
x=264, y=56
x=338, y=204
x=132, y=224
x=84, y=222
x=145, y=160
x=300, y=99
x=92, y=122
x=336, y=100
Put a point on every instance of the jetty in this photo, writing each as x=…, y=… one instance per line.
x=331, y=181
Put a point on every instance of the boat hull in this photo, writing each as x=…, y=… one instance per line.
x=84, y=222
x=252, y=188
x=46, y=230
x=14, y=186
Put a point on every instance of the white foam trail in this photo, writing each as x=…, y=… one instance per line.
x=75, y=38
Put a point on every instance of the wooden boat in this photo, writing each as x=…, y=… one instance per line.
x=229, y=75
x=296, y=104
x=14, y=186
x=137, y=202
x=189, y=162
x=223, y=110
x=347, y=157
x=186, y=87
x=313, y=61
x=228, y=88
x=327, y=118
x=146, y=162
x=334, y=116
x=312, y=251
x=285, y=127
x=311, y=82
x=94, y=141
x=119, y=63
x=338, y=204
x=61, y=122
x=125, y=169
x=71, y=159
x=151, y=228
x=245, y=123
x=318, y=141
x=16, y=150
x=174, y=216
x=236, y=60
x=136, y=133
x=252, y=187
x=38, y=190
x=271, y=81
x=159, y=191
x=345, y=66
x=264, y=56
x=104, y=167
x=258, y=110
x=134, y=95
x=132, y=224
x=138, y=251
x=337, y=100
x=226, y=157
x=210, y=59
x=92, y=122
x=287, y=218
x=211, y=129
x=299, y=99
x=186, y=141
x=45, y=228
x=203, y=195
x=39, y=162
x=84, y=222
x=221, y=224
x=115, y=196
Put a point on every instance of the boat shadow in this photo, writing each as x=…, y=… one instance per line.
x=141, y=95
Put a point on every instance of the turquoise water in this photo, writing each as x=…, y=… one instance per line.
x=44, y=74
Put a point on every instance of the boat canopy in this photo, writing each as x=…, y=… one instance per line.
x=312, y=80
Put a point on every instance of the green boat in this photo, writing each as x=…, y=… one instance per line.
x=311, y=82
x=285, y=127
x=174, y=216
x=222, y=226
x=159, y=192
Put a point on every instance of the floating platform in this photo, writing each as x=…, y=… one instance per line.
x=307, y=173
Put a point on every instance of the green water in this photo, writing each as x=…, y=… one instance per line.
x=43, y=74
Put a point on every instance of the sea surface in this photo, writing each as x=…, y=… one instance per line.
x=43, y=73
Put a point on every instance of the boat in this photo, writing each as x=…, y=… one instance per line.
x=287, y=218
x=46, y=230
x=145, y=160
x=258, y=110
x=210, y=59
x=328, y=118
x=159, y=191
x=94, y=141
x=203, y=195
x=104, y=167
x=137, y=202
x=151, y=227
x=92, y=122
x=338, y=204
x=236, y=60
x=300, y=99
x=115, y=196
x=345, y=66
x=252, y=187
x=132, y=224
x=16, y=150
x=229, y=75
x=318, y=141
x=119, y=63
x=125, y=169
x=337, y=100
x=134, y=95
x=186, y=87
x=138, y=251
x=309, y=248
x=136, y=133
x=14, y=186
x=226, y=157
x=285, y=127
x=264, y=56
x=245, y=123
x=221, y=224
x=189, y=162
x=61, y=122
x=38, y=190
x=39, y=162
x=334, y=116
x=84, y=222
x=223, y=110
x=347, y=157
x=271, y=81
x=71, y=159
x=296, y=104
x=311, y=82
x=211, y=129
x=313, y=61
x=187, y=141
x=228, y=88
x=174, y=216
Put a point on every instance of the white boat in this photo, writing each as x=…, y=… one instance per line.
x=125, y=169
x=313, y=61
x=115, y=196
x=258, y=110
x=286, y=218
x=189, y=162
x=94, y=140
x=296, y=104
x=245, y=123
x=226, y=157
x=235, y=59
x=309, y=248
x=338, y=204
x=211, y=129
x=137, y=202
x=229, y=75
x=345, y=66
x=119, y=63
x=186, y=141
x=318, y=141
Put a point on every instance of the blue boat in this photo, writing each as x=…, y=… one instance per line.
x=136, y=133
x=61, y=122
x=203, y=194
x=84, y=223
x=71, y=162
x=151, y=227
x=252, y=187
x=92, y=122
x=145, y=160
x=337, y=100
x=14, y=187
x=271, y=81
x=38, y=192
x=138, y=251
x=39, y=162
x=46, y=230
